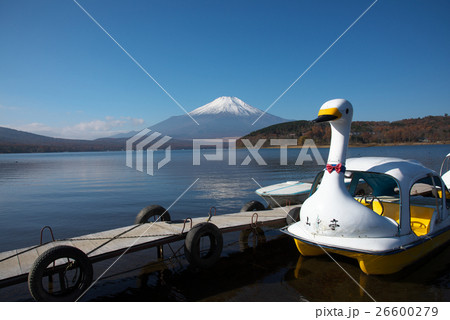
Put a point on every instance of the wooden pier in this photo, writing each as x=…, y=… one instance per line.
x=15, y=265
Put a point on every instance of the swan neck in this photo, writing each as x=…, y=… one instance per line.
x=340, y=133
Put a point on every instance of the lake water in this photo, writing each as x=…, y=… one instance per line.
x=80, y=193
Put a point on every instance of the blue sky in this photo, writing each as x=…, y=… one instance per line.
x=61, y=75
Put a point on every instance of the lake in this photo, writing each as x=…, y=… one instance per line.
x=80, y=193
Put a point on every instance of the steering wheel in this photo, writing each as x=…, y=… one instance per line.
x=421, y=225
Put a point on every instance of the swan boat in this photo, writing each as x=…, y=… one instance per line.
x=401, y=218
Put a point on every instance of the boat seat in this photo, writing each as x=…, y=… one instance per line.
x=421, y=218
x=419, y=226
x=386, y=209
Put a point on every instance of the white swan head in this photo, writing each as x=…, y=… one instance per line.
x=336, y=110
x=339, y=113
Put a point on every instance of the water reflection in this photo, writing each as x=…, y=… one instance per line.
x=320, y=279
x=266, y=273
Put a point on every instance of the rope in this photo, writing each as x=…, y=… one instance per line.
x=99, y=238
x=124, y=237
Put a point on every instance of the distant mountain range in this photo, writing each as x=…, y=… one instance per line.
x=223, y=117
x=15, y=141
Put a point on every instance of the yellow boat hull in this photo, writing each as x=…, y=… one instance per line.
x=381, y=264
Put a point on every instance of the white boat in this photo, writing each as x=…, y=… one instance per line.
x=290, y=193
x=401, y=218
x=285, y=194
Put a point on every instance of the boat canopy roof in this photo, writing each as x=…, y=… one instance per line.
x=402, y=170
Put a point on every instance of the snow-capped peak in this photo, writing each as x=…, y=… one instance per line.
x=228, y=105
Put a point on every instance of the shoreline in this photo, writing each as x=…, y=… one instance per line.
x=368, y=145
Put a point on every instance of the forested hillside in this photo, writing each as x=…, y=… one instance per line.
x=431, y=129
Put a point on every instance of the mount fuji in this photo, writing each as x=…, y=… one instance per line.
x=221, y=118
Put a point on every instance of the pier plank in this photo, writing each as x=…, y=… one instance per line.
x=45, y=247
x=27, y=259
x=87, y=246
x=9, y=265
x=5, y=255
x=92, y=247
